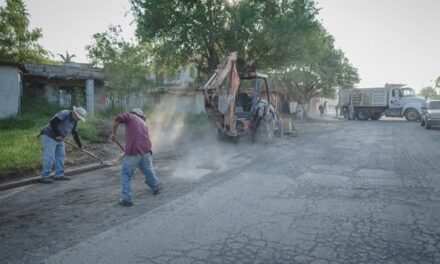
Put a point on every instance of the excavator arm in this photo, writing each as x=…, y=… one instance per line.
x=220, y=94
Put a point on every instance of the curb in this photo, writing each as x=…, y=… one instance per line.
x=70, y=172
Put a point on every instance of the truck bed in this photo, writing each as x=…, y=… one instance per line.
x=377, y=97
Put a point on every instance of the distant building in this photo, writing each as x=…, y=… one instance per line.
x=80, y=84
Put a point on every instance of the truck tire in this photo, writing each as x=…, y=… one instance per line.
x=376, y=116
x=412, y=115
x=346, y=116
x=422, y=123
x=363, y=114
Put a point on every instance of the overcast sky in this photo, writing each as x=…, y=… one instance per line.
x=395, y=41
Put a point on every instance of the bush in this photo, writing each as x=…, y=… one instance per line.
x=38, y=108
x=95, y=129
x=197, y=119
x=110, y=112
x=87, y=130
x=17, y=123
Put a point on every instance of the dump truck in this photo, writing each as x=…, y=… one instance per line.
x=373, y=103
x=240, y=104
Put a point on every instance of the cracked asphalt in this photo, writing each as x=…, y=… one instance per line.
x=341, y=192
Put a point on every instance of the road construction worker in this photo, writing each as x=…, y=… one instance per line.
x=53, y=135
x=137, y=154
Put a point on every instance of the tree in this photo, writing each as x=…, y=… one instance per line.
x=17, y=42
x=318, y=74
x=429, y=92
x=127, y=65
x=68, y=58
x=266, y=34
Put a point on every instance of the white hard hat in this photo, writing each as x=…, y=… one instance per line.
x=138, y=112
x=80, y=112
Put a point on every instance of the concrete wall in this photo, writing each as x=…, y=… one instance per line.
x=101, y=102
x=10, y=91
x=52, y=93
x=188, y=104
x=180, y=103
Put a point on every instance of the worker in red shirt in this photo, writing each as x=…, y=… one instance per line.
x=138, y=153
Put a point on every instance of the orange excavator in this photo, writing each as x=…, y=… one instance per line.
x=240, y=104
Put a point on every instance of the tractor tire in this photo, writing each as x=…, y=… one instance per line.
x=279, y=131
x=412, y=115
x=265, y=131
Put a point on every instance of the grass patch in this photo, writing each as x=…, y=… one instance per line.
x=19, y=149
x=19, y=146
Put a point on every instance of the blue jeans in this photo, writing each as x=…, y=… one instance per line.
x=129, y=164
x=52, y=150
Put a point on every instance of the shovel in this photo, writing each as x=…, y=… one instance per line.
x=85, y=151
x=119, y=144
x=122, y=148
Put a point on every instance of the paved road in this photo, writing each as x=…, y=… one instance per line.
x=342, y=192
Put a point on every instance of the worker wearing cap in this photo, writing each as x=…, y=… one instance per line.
x=138, y=153
x=54, y=133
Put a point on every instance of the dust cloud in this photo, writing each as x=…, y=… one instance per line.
x=198, y=150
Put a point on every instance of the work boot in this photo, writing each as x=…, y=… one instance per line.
x=125, y=203
x=45, y=180
x=157, y=190
x=62, y=178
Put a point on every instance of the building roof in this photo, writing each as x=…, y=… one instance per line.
x=69, y=72
x=20, y=66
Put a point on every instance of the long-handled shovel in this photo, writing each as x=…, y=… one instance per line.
x=122, y=148
x=119, y=144
x=85, y=151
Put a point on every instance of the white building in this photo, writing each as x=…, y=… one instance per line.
x=10, y=89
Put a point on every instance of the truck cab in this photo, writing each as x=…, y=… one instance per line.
x=403, y=102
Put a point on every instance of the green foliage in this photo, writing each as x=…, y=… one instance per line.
x=88, y=131
x=38, y=107
x=67, y=58
x=283, y=37
x=266, y=34
x=429, y=92
x=17, y=42
x=127, y=65
x=19, y=149
x=17, y=123
x=35, y=113
x=111, y=111
x=320, y=74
